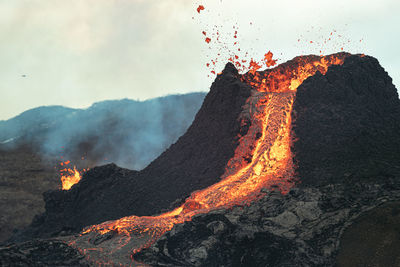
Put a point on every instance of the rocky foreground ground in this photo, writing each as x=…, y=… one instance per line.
x=303, y=228
x=343, y=225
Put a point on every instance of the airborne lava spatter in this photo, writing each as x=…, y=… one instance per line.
x=263, y=158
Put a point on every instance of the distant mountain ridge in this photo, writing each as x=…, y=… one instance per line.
x=143, y=129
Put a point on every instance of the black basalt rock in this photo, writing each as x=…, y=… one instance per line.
x=347, y=124
x=49, y=253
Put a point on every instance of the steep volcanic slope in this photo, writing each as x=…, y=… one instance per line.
x=195, y=161
x=347, y=124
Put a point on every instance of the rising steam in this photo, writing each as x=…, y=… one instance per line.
x=127, y=132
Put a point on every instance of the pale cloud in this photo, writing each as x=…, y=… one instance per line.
x=77, y=52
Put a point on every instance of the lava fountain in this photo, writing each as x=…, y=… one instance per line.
x=69, y=176
x=263, y=158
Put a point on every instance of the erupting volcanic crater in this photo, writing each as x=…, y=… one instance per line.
x=262, y=159
x=238, y=150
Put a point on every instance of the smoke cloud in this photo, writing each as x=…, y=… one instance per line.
x=127, y=132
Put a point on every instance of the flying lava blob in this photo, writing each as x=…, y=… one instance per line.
x=200, y=8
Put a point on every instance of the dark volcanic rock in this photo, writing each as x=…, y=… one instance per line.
x=195, y=161
x=302, y=228
x=41, y=253
x=373, y=239
x=347, y=124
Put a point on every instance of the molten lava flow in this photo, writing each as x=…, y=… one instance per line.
x=69, y=177
x=263, y=158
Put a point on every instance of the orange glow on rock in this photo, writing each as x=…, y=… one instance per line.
x=254, y=66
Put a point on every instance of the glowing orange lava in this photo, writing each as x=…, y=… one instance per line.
x=263, y=158
x=69, y=178
x=269, y=62
x=200, y=8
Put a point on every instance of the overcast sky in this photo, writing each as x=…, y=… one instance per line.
x=77, y=52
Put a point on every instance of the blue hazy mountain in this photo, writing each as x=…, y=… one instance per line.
x=128, y=132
